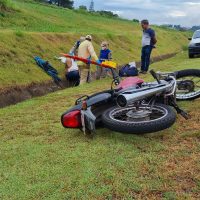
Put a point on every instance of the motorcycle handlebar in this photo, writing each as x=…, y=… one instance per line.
x=153, y=73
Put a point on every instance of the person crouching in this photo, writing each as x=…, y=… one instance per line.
x=72, y=72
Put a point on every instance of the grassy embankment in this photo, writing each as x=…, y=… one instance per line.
x=41, y=160
x=34, y=29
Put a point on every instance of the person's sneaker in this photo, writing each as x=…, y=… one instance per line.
x=142, y=72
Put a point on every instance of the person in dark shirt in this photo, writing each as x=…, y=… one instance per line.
x=148, y=43
x=74, y=49
x=105, y=54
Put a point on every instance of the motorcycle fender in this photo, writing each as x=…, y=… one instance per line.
x=98, y=99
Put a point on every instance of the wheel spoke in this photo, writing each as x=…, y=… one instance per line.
x=196, y=82
x=123, y=114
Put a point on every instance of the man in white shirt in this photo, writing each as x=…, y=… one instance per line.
x=148, y=43
x=72, y=72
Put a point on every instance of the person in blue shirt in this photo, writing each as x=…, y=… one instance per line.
x=105, y=54
x=74, y=49
x=148, y=43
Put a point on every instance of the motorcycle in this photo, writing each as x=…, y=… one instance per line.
x=133, y=106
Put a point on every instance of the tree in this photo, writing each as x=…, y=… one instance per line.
x=65, y=3
x=82, y=7
x=50, y=1
x=136, y=20
x=107, y=13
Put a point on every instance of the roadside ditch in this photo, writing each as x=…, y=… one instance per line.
x=16, y=94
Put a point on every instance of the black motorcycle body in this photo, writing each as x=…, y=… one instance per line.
x=135, y=107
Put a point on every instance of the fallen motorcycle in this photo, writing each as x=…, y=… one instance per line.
x=133, y=106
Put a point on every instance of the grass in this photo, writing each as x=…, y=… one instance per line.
x=38, y=29
x=6, y=6
x=18, y=48
x=56, y=19
x=181, y=61
x=41, y=160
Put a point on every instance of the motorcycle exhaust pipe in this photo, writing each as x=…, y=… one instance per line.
x=128, y=98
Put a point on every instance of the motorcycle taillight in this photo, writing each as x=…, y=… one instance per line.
x=72, y=119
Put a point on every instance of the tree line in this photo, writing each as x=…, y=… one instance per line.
x=69, y=4
x=63, y=3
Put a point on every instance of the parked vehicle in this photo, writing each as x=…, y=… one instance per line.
x=134, y=106
x=194, y=45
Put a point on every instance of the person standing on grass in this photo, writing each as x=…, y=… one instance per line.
x=86, y=50
x=105, y=54
x=148, y=43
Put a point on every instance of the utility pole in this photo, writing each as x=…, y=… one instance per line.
x=91, y=8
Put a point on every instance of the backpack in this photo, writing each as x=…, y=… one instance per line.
x=128, y=70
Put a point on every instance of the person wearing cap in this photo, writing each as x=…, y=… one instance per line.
x=148, y=43
x=105, y=54
x=86, y=51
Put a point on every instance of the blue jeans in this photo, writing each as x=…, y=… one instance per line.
x=145, y=58
x=73, y=77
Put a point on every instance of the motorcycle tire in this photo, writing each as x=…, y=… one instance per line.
x=139, y=127
x=188, y=73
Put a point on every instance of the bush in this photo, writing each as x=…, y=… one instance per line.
x=19, y=33
x=185, y=47
x=107, y=13
x=6, y=5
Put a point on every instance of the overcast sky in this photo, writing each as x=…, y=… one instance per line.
x=184, y=12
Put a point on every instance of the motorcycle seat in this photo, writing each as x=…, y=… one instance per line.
x=130, y=82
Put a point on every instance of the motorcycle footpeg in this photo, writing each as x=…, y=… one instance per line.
x=182, y=113
x=185, y=115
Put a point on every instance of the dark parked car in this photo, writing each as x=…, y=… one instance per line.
x=194, y=46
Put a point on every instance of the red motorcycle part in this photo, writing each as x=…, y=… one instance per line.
x=130, y=82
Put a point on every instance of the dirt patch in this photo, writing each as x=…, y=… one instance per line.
x=158, y=58
x=13, y=95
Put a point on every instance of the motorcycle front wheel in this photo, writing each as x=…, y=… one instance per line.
x=188, y=84
x=140, y=120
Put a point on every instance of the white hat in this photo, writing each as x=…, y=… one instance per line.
x=88, y=37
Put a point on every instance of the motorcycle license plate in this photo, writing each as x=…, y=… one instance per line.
x=88, y=120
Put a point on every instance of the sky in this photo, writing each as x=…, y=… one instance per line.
x=183, y=12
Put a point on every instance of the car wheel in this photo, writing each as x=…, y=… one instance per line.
x=191, y=55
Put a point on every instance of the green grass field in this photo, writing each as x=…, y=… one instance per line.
x=40, y=159
x=35, y=29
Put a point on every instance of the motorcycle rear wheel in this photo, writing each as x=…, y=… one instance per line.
x=119, y=120
x=192, y=78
